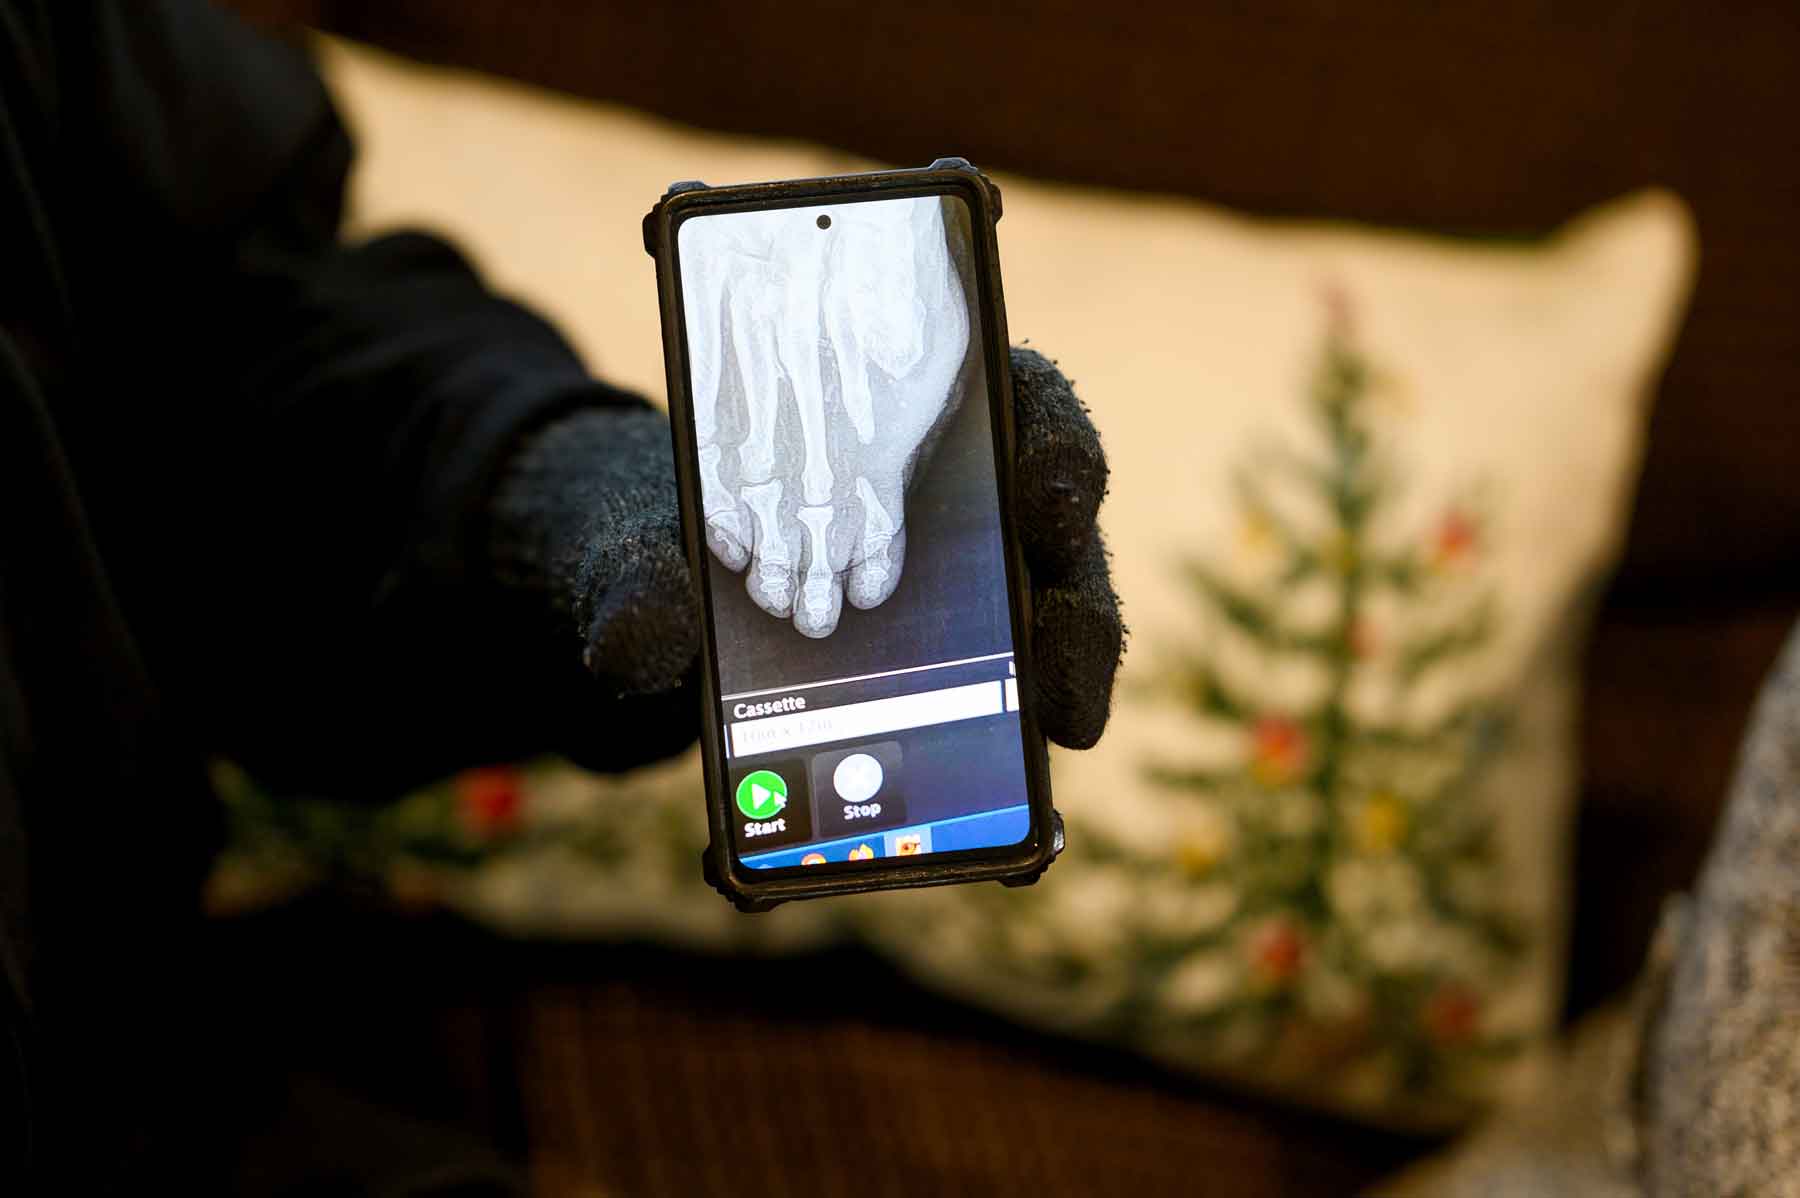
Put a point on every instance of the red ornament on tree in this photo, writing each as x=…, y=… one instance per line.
x=1455, y=541
x=490, y=799
x=1277, y=950
x=1278, y=750
x=1452, y=1014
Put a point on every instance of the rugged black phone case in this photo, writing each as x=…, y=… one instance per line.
x=1015, y=867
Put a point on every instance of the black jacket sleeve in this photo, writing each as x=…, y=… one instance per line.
x=287, y=440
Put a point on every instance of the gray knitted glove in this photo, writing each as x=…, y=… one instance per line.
x=585, y=517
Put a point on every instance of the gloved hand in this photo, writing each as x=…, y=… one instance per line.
x=585, y=517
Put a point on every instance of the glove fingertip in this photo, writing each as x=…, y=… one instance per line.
x=1061, y=474
x=1079, y=639
x=642, y=632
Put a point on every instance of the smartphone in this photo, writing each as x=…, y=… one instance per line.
x=842, y=420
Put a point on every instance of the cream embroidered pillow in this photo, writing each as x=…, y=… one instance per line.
x=1365, y=488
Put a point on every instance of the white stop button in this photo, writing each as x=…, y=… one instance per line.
x=857, y=778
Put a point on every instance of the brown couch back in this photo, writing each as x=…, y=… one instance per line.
x=1486, y=119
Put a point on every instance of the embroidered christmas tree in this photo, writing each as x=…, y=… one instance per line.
x=1342, y=919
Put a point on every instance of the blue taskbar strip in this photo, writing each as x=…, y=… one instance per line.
x=982, y=830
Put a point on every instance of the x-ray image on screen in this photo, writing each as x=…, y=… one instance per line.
x=828, y=348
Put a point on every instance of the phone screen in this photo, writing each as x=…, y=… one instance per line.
x=854, y=560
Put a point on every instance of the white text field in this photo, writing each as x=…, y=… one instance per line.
x=853, y=720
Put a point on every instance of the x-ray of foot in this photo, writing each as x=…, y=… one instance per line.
x=824, y=345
